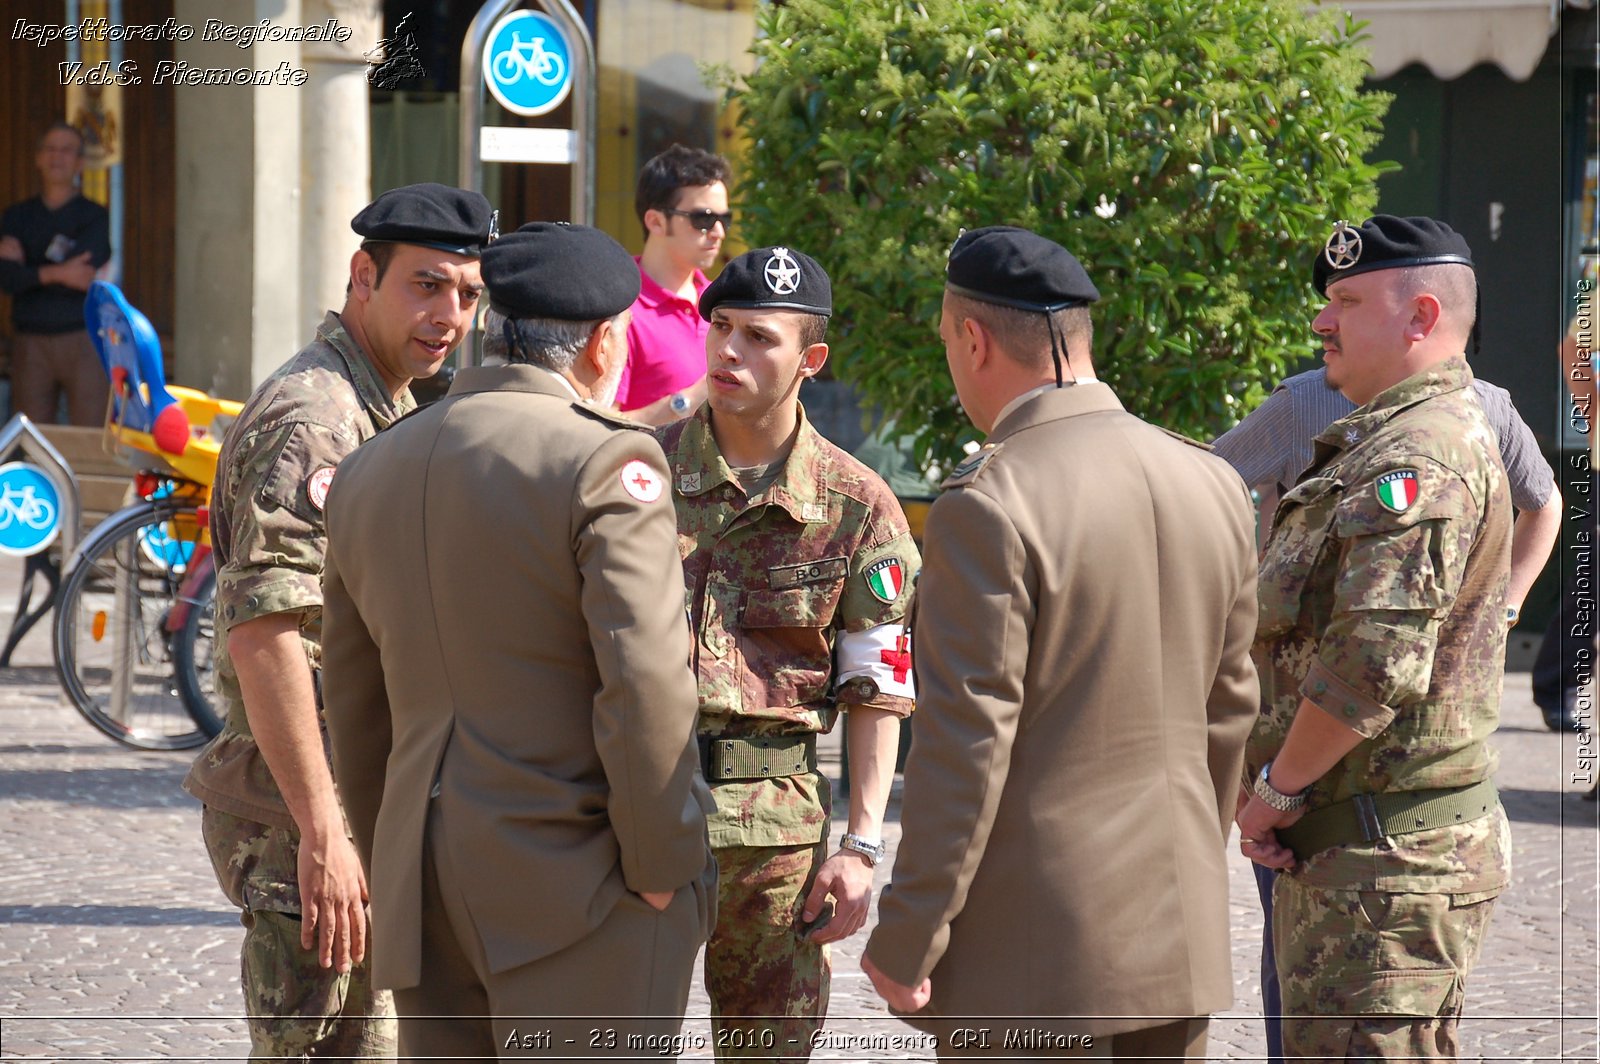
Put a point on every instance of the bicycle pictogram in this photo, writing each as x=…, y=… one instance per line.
x=24, y=507
x=528, y=63
x=30, y=509
x=529, y=59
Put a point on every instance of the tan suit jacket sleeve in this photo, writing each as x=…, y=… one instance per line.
x=1234, y=701
x=970, y=646
x=359, y=727
x=646, y=708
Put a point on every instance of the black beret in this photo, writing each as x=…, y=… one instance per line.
x=1384, y=242
x=433, y=215
x=562, y=271
x=1017, y=268
x=770, y=278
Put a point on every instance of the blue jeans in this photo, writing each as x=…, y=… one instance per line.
x=1271, y=999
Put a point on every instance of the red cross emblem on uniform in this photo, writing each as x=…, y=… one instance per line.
x=642, y=482
x=899, y=658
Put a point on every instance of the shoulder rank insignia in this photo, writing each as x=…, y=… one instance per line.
x=971, y=466
x=1181, y=438
x=1397, y=490
x=622, y=421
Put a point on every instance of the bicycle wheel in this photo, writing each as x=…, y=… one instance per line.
x=113, y=650
x=192, y=648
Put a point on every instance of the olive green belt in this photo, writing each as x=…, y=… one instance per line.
x=759, y=758
x=1370, y=817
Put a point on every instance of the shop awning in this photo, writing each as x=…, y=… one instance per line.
x=1450, y=37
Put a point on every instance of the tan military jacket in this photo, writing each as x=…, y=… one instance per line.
x=1382, y=603
x=269, y=537
x=527, y=688
x=1084, y=691
x=771, y=582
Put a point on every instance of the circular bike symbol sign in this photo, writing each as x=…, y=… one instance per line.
x=527, y=63
x=30, y=509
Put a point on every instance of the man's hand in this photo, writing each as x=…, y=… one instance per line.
x=847, y=878
x=657, y=899
x=333, y=896
x=77, y=272
x=1258, y=838
x=900, y=997
x=11, y=248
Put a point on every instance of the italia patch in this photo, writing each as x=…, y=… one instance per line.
x=1397, y=490
x=317, y=485
x=642, y=482
x=885, y=579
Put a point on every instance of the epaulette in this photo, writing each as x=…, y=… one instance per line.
x=1192, y=443
x=621, y=421
x=971, y=466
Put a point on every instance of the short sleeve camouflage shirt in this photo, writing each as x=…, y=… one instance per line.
x=771, y=582
x=268, y=535
x=1382, y=598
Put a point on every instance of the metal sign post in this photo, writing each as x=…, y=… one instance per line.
x=532, y=62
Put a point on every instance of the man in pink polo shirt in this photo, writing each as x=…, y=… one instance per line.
x=682, y=200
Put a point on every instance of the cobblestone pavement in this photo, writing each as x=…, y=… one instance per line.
x=115, y=943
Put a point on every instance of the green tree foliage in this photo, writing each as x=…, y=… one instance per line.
x=1192, y=154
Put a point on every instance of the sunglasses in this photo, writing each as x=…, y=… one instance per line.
x=703, y=220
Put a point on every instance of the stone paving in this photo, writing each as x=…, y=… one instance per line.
x=115, y=943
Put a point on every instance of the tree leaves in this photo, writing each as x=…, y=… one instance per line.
x=1193, y=156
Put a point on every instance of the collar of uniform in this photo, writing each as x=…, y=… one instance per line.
x=369, y=386
x=799, y=489
x=652, y=294
x=520, y=377
x=1451, y=375
x=1052, y=403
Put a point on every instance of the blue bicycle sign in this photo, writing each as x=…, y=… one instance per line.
x=527, y=63
x=30, y=509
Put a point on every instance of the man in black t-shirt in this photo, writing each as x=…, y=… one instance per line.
x=50, y=249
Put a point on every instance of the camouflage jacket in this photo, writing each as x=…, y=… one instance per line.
x=268, y=535
x=1382, y=597
x=771, y=583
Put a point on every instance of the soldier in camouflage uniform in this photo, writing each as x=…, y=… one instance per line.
x=1381, y=645
x=272, y=820
x=797, y=561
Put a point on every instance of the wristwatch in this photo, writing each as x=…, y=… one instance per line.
x=1283, y=803
x=873, y=850
x=678, y=404
x=1512, y=614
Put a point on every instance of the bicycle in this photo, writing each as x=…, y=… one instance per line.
x=133, y=631
x=529, y=59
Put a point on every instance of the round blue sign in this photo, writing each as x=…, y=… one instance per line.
x=527, y=63
x=30, y=509
x=160, y=545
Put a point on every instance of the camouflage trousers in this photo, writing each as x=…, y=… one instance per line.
x=1371, y=974
x=768, y=984
x=296, y=1009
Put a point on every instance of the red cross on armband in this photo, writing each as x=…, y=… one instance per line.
x=899, y=658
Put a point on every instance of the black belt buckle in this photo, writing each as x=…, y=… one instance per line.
x=1367, y=818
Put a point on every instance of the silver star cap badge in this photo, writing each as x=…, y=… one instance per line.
x=1343, y=249
x=782, y=272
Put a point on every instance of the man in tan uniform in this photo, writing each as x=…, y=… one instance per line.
x=513, y=725
x=272, y=820
x=1082, y=632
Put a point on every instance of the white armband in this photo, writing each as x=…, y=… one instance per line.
x=881, y=654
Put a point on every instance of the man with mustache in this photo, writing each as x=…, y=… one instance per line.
x=1381, y=647
x=272, y=822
